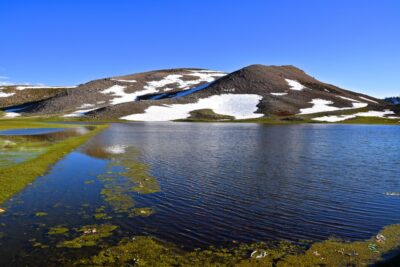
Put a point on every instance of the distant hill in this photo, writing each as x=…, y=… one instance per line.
x=393, y=100
x=255, y=91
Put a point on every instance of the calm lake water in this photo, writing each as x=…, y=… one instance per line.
x=217, y=183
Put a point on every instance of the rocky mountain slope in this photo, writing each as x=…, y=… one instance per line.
x=252, y=92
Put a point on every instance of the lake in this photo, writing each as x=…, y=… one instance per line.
x=201, y=184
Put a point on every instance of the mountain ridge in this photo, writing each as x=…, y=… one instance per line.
x=254, y=91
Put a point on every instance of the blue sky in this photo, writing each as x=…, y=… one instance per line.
x=351, y=43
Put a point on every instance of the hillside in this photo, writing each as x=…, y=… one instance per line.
x=256, y=91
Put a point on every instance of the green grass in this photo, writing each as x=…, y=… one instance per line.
x=372, y=120
x=25, y=123
x=14, y=178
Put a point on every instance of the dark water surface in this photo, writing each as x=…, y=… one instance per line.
x=221, y=182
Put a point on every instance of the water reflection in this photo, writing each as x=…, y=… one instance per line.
x=19, y=145
x=253, y=182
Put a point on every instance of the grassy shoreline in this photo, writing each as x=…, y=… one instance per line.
x=15, y=178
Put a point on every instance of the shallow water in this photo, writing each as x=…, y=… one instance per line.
x=217, y=183
x=19, y=145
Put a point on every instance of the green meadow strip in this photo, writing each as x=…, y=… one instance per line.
x=15, y=178
x=30, y=123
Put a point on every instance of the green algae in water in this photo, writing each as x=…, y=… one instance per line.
x=39, y=245
x=91, y=235
x=102, y=216
x=147, y=251
x=119, y=199
x=58, y=230
x=89, y=182
x=40, y=214
x=144, y=212
x=124, y=177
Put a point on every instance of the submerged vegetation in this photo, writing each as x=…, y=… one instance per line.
x=147, y=251
x=90, y=235
x=58, y=230
x=125, y=177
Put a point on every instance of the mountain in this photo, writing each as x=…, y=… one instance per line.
x=252, y=92
x=393, y=100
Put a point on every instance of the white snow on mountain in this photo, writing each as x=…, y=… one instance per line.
x=203, y=76
x=279, y=94
x=42, y=87
x=295, y=85
x=321, y=105
x=11, y=114
x=347, y=98
x=82, y=110
x=2, y=94
x=371, y=113
x=370, y=100
x=124, y=81
x=334, y=118
x=240, y=106
x=120, y=96
x=151, y=87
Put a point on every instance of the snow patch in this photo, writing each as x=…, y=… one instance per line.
x=11, y=115
x=87, y=106
x=279, y=94
x=2, y=94
x=334, y=118
x=152, y=87
x=122, y=97
x=79, y=113
x=370, y=100
x=371, y=113
x=203, y=76
x=321, y=105
x=42, y=87
x=240, y=106
x=346, y=98
x=295, y=85
x=124, y=81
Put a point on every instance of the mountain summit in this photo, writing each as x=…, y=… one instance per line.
x=255, y=91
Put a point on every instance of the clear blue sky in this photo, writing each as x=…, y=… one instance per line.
x=351, y=43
